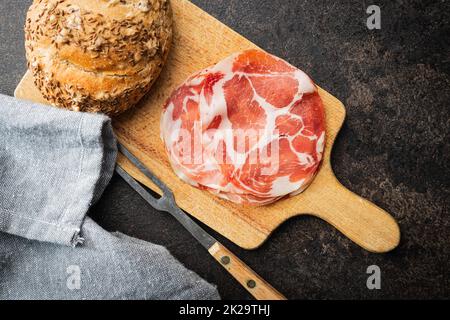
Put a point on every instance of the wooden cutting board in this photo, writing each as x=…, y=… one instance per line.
x=200, y=40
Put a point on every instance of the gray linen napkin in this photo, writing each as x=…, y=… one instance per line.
x=54, y=164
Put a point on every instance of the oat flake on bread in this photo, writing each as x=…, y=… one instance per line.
x=97, y=56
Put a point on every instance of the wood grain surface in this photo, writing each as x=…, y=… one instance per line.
x=252, y=282
x=199, y=41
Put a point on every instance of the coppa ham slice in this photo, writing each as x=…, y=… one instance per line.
x=250, y=129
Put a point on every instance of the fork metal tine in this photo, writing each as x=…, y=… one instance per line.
x=165, y=189
x=153, y=201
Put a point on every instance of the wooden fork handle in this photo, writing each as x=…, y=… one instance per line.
x=248, y=278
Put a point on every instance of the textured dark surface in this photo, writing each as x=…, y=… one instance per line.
x=394, y=148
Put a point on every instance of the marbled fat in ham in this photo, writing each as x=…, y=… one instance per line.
x=250, y=129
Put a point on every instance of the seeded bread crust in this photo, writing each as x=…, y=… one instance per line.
x=97, y=55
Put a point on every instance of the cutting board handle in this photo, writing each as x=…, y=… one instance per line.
x=359, y=219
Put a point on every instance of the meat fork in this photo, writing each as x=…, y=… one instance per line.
x=251, y=281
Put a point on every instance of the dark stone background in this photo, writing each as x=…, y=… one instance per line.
x=394, y=148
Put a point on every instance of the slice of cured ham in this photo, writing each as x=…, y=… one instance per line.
x=250, y=129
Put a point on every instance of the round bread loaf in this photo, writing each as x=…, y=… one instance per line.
x=97, y=55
